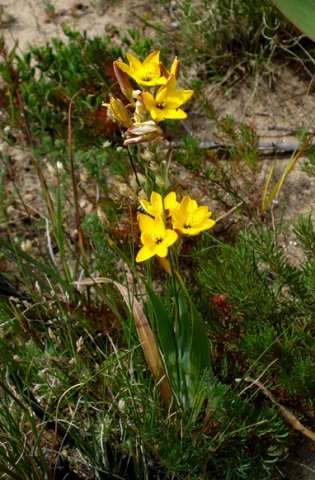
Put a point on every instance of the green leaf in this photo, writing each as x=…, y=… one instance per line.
x=185, y=348
x=200, y=347
x=301, y=13
x=193, y=353
x=44, y=268
x=166, y=334
x=145, y=334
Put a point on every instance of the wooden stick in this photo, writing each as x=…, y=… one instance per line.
x=284, y=412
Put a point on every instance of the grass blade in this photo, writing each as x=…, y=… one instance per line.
x=145, y=334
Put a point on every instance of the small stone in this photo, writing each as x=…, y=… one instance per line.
x=28, y=197
x=292, y=243
x=26, y=246
x=121, y=406
x=10, y=210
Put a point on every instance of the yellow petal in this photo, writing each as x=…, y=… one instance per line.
x=155, y=207
x=161, y=250
x=146, y=223
x=180, y=96
x=147, y=240
x=161, y=95
x=159, y=227
x=190, y=231
x=144, y=254
x=156, y=202
x=124, y=67
x=170, y=201
x=192, y=205
x=179, y=218
x=174, y=114
x=200, y=214
x=171, y=84
x=148, y=100
x=185, y=204
x=134, y=62
x=145, y=205
x=196, y=229
x=187, y=231
x=205, y=224
x=153, y=57
x=170, y=237
x=138, y=77
x=157, y=114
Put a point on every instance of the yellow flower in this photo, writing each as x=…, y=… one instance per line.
x=119, y=112
x=167, y=101
x=147, y=73
x=155, y=237
x=156, y=206
x=190, y=219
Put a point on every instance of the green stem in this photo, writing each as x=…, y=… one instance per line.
x=133, y=165
x=174, y=287
x=75, y=188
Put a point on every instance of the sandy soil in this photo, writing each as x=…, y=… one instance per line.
x=35, y=22
x=274, y=113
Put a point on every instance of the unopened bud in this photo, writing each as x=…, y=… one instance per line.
x=143, y=132
x=173, y=71
x=119, y=112
x=159, y=181
x=175, y=68
x=147, y=155
x=123, y=81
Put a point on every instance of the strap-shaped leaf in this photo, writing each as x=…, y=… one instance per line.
x=166, y=334
x=301, y=13
x=145, y=334
x=193, y=352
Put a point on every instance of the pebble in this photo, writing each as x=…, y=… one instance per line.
x=28, y=197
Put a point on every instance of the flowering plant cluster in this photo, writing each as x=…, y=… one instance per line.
x=180, y=338
x=156, y=98
x=167, y=220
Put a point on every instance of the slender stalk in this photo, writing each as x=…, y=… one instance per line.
x=133, y=166
x=50, y=205
x=75, y=186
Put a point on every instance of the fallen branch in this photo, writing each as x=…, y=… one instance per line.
x=265, y=148
x=294, y=422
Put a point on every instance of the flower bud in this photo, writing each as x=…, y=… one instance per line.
x=159, y=181
x=173, y=71
x=143, y=132
x=119, y=112
x=123, y=81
